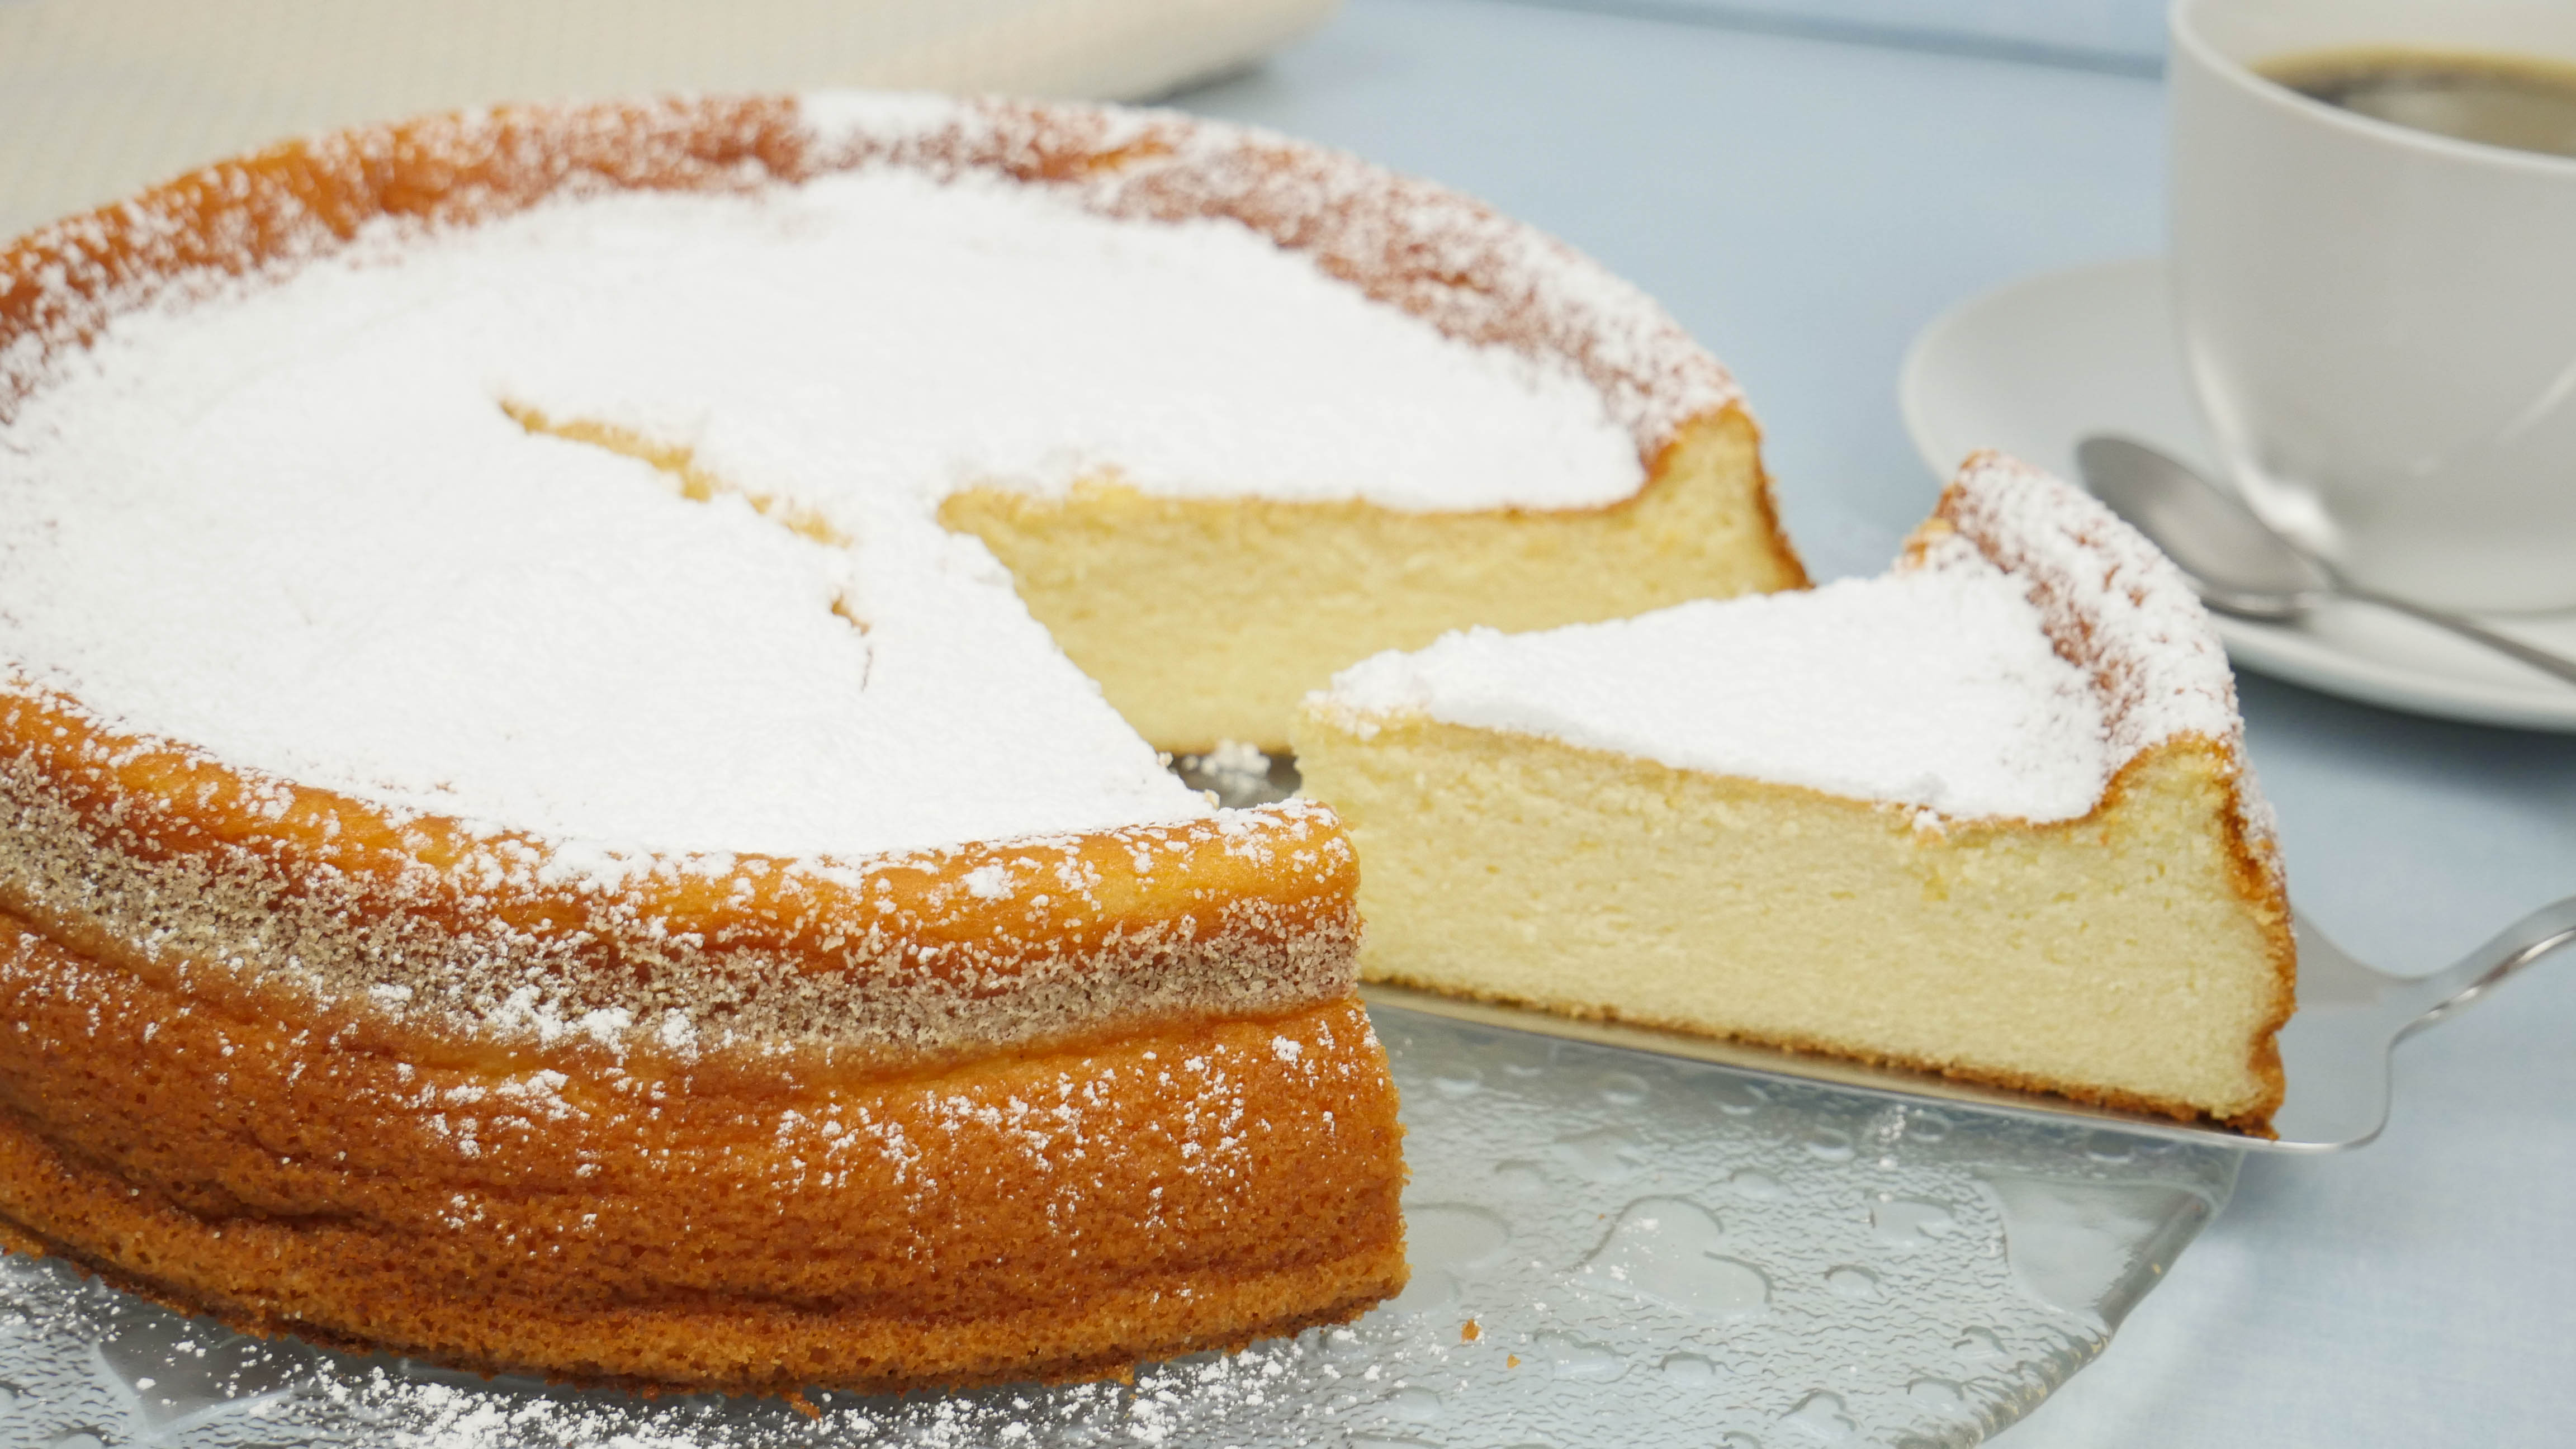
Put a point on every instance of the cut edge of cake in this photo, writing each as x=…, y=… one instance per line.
x=1207, y=622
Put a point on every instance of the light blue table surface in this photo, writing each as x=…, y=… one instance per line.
x=1803, y=206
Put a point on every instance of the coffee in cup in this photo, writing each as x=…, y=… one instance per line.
x=2523, y=103
x=2374, y=267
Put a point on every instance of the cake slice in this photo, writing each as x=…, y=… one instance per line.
x=1988, y=814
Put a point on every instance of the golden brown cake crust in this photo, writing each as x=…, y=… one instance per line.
x=1030, y=1214
x=247, y=1129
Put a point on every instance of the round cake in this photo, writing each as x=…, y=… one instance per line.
x=550, y=822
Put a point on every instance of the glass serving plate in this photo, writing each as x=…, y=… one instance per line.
x=1609, y=1246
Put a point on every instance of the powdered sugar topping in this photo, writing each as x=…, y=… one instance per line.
x=1933, y=690
x=1475, y=274
x=305, y=524
x=2027, y=648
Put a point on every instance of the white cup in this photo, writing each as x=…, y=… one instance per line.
x=2380, y=322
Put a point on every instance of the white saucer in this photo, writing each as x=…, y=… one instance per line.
x=2037, y=365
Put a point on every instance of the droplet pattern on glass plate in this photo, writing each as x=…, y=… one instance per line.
x=1654, y=1252
x=1856, y=1283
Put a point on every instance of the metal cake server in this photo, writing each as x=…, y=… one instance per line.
x=2335, y=1051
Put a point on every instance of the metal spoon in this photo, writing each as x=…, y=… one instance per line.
x=2240, y=565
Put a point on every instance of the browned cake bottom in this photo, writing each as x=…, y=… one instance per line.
x=700, y=1224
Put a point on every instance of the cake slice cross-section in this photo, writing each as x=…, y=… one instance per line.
x=1988, y=814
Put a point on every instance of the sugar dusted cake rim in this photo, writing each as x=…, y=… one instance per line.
x=2117, y=609
x=156, y=857
x=1445, y=258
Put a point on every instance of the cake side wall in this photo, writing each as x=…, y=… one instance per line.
x=1209, y=621
x=1041, y=1214
x=2111, y=958
x=2202, y=785
x=168, y=863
